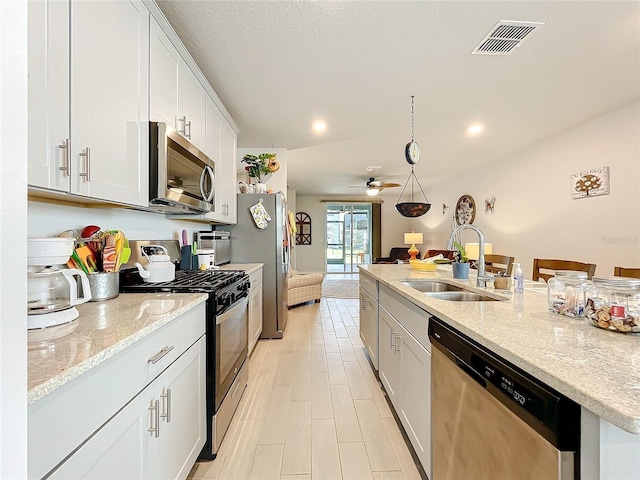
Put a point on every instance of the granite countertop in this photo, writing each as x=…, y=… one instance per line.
x=596, y=368
x=102, y=330
x=247, y=267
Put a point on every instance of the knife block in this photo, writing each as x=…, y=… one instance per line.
x=188, y=261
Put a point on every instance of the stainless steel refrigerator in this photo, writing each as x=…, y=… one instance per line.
x=270, y=246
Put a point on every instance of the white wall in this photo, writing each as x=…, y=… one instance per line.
x=278, y=180
x=13, y=246
x=535, y=215
x=311, y=258
x=49, y=219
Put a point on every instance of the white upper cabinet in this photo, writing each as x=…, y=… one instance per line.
x=89, y=99
x=230, y=180
x=49, y=95
x=192, y=100
x=164, y=63
x=110, y=100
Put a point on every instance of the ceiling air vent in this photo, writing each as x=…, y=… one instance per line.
x=506, y=36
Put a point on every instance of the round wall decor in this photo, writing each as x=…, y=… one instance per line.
x=465, y=210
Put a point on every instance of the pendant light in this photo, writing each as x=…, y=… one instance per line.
x=412, y=209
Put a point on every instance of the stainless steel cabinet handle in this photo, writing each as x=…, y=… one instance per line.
x=184, y=124
x=393, y=340
x=154, y=420
x=398, y=343
x=156, y=358
x=65, y=157
x=166, y=396
x=87, y=155
x=187, y=124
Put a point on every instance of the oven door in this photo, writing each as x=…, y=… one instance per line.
x=231, y=346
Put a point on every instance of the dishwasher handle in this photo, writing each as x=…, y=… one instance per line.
x=469, y=370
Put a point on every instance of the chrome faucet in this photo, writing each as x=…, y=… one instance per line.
x=483, y=278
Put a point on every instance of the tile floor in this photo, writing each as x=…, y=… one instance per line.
x=313, y=408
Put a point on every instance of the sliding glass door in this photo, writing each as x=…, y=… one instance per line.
x=348, y=236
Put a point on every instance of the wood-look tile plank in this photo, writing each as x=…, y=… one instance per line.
x=266, y=462
x=354, y=461
x=273, y=427
x=317, y=336
x=325, y=457
x=392, y=475
x=296, y=457
x=357, y=383
x=346, y=420
x=354, y=336
x=237, y=463
x=295, y=477
x=301, y=382
x=318, y=359
x=321, y=406
x=340, y=329
x=381, y=453
x=402, y=451
x=346, y=350
x=331, y=342
x=337, y=375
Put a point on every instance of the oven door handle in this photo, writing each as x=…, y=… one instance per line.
x=230, y=313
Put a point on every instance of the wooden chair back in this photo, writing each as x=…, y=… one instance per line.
x=548, y=264
x=498, y=264
x=626, y=272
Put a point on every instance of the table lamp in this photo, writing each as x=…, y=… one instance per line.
x=411, y=239
x=473, y=250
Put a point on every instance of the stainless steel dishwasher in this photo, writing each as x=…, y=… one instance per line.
x=491, y=420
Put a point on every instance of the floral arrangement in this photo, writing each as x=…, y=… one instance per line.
x=260, y=166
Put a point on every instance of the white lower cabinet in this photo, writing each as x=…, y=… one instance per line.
x=369, y=325
x=255, y=308
x=140, y=414
x=405, y=368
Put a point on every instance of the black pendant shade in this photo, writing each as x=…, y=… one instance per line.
x=412, y=209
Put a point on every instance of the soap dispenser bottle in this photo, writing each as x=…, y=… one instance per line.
x=518, y=279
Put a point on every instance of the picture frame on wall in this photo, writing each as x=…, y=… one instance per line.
x=590, y=183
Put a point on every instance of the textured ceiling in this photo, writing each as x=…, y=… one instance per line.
x=278, y=65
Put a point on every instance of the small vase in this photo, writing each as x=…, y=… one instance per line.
x=261, y=188
x=460, y=270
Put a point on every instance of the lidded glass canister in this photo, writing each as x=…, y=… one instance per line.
x=567, y=293
x=614, y=304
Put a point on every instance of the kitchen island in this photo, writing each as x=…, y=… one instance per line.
x=595, y=368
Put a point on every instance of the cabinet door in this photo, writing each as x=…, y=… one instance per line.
x=255, y=315
x=372, y=344
x=230, y=184
x=164, y=62
x=110, y=100
x=121, y=450
x=192, y=105
x=213, y=144
x=48, y=86
x=181, y=391
x=364, y=317
x=415, y=404
x=388, y=362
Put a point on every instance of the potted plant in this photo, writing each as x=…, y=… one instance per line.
x=460, y=263
x=259, y=167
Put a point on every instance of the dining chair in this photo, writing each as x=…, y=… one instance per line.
x=626, y=272
x=548, y=264
x=502, y=264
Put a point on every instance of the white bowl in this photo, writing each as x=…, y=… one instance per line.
x=49, y=251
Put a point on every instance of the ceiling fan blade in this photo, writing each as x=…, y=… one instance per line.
x=389, y=185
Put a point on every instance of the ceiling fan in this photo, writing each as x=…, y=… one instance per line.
x=375, y=186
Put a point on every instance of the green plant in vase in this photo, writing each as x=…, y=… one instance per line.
x=460, y=265
x=260, y=166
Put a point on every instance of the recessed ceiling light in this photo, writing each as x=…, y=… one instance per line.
x=319, y=126
x=475, y=129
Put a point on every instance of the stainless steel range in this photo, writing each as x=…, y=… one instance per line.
x=226, y=334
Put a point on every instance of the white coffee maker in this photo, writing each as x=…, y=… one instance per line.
x=52, y=288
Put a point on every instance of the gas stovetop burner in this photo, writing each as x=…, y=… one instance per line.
x=186, y=280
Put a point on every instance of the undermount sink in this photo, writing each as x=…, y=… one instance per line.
x=445, y=291
x=432, y=286
x=461, y=296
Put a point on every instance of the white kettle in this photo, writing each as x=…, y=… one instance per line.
x=160, y=267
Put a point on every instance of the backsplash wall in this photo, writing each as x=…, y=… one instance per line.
x=49, y=219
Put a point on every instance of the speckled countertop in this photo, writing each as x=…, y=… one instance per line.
x=102, y=330
x=247, y=267
x=598, y=369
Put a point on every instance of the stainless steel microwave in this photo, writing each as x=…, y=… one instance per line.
x=181, y=177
